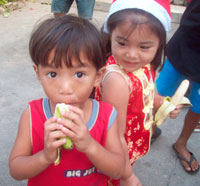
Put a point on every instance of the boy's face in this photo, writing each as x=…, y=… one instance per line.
x=135, y=50
x=68, y=85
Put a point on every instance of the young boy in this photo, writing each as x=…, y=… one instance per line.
x=67, y=53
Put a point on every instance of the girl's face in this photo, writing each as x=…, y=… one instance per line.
x=67, y=85
x=135, y=50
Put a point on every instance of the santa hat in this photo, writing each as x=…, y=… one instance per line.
x=158, y=8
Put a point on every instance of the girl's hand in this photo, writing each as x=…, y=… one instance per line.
x=76, y=128
x=173, y=114
x=52, y=139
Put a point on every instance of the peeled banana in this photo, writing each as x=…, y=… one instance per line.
x=61, y=107
x=170, y=104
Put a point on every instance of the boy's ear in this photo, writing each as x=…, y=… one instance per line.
x=99, y=76
x=35, y=67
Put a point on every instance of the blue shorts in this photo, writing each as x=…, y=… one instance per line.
x=169, y=80
x=85, y=7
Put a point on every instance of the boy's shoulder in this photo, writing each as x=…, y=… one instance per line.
x=103, y=104
x=104, y=107
x=106, y=112
x=38, y=105
x=36, y=101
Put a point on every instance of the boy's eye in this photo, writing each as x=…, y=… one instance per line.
x=79, y=74
x=52, y=74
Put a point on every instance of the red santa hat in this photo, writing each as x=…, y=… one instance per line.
x=158, y=8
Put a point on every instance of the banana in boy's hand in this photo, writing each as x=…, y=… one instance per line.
x=61, y=107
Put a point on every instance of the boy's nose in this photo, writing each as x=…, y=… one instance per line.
x=66, y=87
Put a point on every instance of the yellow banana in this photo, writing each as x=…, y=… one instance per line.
x=61, y=107
x=170, y=104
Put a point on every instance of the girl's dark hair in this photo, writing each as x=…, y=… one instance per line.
x=67, y=36
x=137, y=17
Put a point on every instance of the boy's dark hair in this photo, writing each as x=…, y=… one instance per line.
x=68, y=36
x=137, y=17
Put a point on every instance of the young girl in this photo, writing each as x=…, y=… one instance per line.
x=136, y=31
x=67, y=68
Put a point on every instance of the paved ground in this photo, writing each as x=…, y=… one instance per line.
x=18, y=85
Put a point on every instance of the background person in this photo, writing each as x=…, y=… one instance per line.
x=85, y=7
x=183, y=53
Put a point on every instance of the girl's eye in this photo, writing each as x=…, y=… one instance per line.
x=122, y=43
x=79, y=74
x=145, y=47
x=52, y=74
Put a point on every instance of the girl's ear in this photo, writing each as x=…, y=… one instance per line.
x=99, y=76
x=35, y=67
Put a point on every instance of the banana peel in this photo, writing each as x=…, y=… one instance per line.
x=61, y=107
x=170, y=104
x=57, y=161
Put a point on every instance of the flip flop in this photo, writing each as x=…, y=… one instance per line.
x=197, y=129
x=182, y=158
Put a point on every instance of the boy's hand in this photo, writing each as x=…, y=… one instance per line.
x=52, y=135
x=76, y=128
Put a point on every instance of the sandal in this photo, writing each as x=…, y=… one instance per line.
x=197, y=129
x=182, y=158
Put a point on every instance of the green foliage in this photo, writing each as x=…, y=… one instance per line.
x=3, y=2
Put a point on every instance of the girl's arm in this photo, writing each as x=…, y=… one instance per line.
x=116, y=92
x=22, y=163
x=158, y=101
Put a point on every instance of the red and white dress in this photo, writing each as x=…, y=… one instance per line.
x=139, y=112
x=75, y=169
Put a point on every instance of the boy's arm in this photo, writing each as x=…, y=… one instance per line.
x=109, y=160
x=22, y=163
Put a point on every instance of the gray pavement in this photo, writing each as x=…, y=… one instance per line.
x=18, y=85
